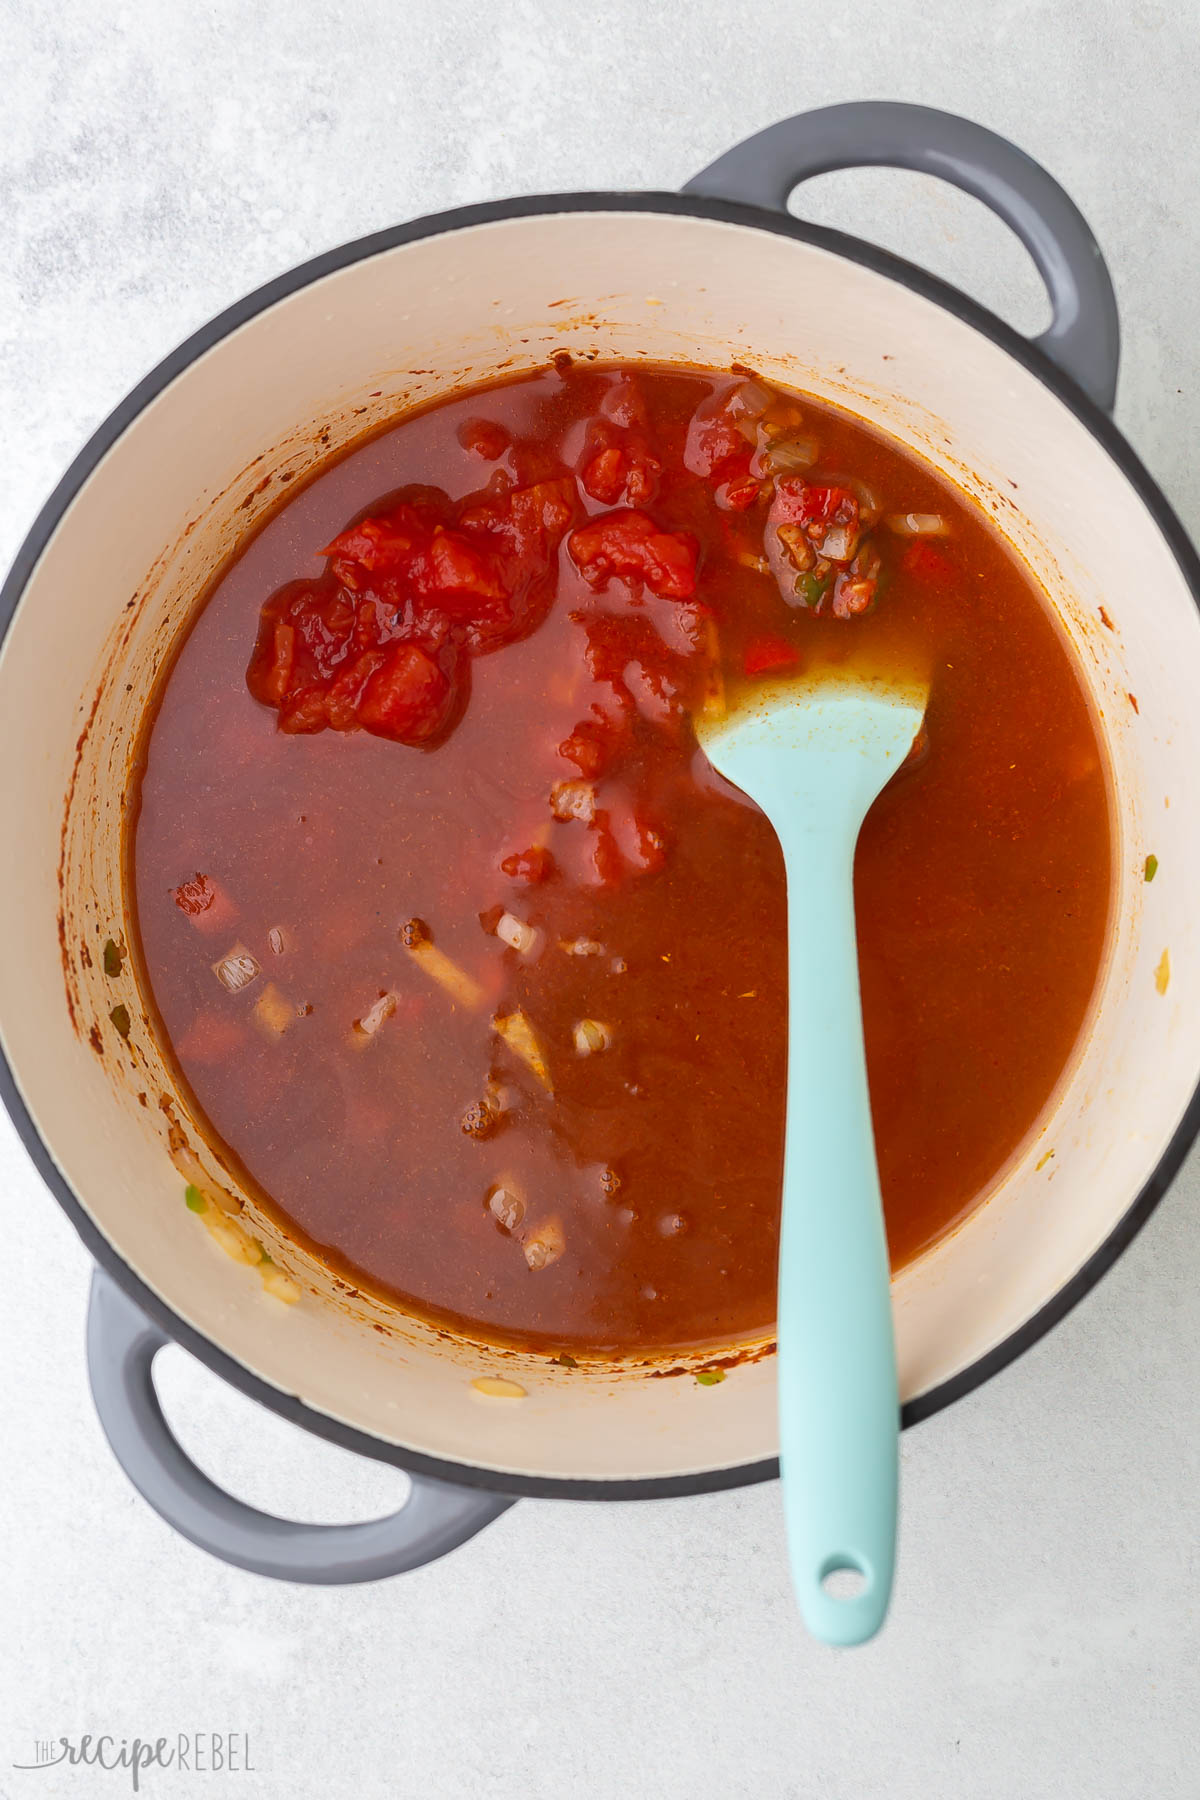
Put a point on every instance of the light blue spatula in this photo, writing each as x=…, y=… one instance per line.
x=814, y=753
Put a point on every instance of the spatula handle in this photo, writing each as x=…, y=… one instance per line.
x=838, y=1399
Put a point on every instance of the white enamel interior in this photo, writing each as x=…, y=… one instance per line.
x=132, y=553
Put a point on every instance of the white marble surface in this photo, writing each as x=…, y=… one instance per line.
x=156, y=160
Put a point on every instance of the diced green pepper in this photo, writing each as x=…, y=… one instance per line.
x=112, y=957
x=1151, y=867
x=811, y=589
x=194, y=1199
x=120, y=1018
x=710, y=1377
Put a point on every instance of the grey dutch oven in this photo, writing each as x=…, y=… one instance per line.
x=193, y=457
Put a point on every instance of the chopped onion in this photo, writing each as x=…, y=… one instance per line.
x=237, y=969
x=519, y=1035
x=279, y=1284
x=798, y=546
x=619, y=965
x=500, y=1097
x=868, y=561
x=190, y=1166
x=506, y=1207
x=591, y=1037
x=853, y=594
x=518, y=935
x=424, y=952
x=277, y=941
x=712, y=704
x=273, y=1011
x=870, y=505
x=573, y=800
x=839, y=543
x=750, y=399
x=791, y=454
x=749, y=560
x=581, y=946
x=373, y=1018
x=498, y=1387
x=233, y=1238
x=545, y=1244
x=918, y=524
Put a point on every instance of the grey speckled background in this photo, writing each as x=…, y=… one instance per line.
x=156, y=160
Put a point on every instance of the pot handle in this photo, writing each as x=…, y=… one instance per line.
x=1084, y=336
x=121, y=1347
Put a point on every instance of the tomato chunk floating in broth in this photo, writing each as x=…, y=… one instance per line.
x=380, y=642
x=470, y=960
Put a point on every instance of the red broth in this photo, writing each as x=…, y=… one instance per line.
x=465, y=952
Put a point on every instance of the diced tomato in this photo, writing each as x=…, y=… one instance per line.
x=302, y=637
x=341, y=705
x=603, y=477
x=485, y=518
x=532, y=866
x=926, y=561
x=619, y=466
x=712, y=439
x=276, y=678
x=539, y=516
x=625, y=403
x=807, y=522
x=322, y=631
x=272, y=668
x=484, y=438
x=643, y=471
x=629, y=544
x=586, y=747
x=594, y=742
x=375, y=621
x=767, y=655
x=738, y=493
x=801, y=502
x=305, y=711
x=430, y=577
x=383, y=544
x=195, y=896
x=853, y=594
x=407, y=698
x=460, y=575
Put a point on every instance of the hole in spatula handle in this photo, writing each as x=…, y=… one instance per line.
x=842, y=1578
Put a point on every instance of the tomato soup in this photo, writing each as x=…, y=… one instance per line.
x=468, y=957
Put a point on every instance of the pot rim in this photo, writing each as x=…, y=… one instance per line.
x=857, y=250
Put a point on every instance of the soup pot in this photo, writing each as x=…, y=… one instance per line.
x=201, y=451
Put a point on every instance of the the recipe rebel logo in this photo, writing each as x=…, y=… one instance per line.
x=191, y=1752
